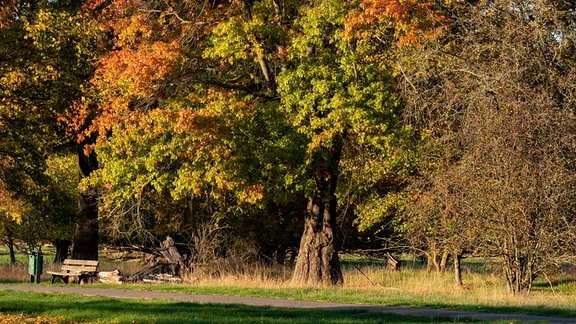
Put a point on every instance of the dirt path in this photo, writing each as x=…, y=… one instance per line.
x=284, y=303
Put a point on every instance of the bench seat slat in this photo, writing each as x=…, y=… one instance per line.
x=64, y=273
x=79, y=268
x=81, y=262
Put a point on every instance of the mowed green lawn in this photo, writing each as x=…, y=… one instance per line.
x=75, y=308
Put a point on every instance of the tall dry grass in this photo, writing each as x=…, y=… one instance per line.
x=232, y=272
x=483, y=288
x=480, y=288
x=14, y=273
x=19, y=272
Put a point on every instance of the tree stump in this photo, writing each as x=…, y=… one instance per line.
x=393, y=264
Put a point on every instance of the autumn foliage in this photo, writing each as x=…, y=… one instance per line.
x=412, y=21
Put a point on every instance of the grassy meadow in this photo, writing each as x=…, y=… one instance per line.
x=366, y=282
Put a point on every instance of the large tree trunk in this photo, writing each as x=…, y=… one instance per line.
x=86, y=236
x=318, y=262
x=61, y=250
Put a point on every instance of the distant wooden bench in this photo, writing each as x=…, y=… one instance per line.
x=79, y=270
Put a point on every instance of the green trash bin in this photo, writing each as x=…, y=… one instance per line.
x=35, y=261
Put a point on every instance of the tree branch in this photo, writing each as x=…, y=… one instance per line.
x=182, y=20
x=228, y=86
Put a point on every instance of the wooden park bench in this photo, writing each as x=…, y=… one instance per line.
x=79, y=270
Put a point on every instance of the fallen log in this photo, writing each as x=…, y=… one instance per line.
x=111, y=277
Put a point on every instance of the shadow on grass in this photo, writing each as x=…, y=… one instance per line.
x=10, y=281
x=362, y=262
x=97, y=309
x=340, y=296
x=554, y=283
x=517, y=310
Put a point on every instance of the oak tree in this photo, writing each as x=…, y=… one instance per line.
x=254, y=100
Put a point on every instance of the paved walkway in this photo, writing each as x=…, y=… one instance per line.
x=284, y=303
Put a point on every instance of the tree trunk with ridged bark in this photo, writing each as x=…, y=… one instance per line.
x=318, y=262
x=86, y=236
x=61, y=247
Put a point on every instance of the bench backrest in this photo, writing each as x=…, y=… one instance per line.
x=80, y=265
